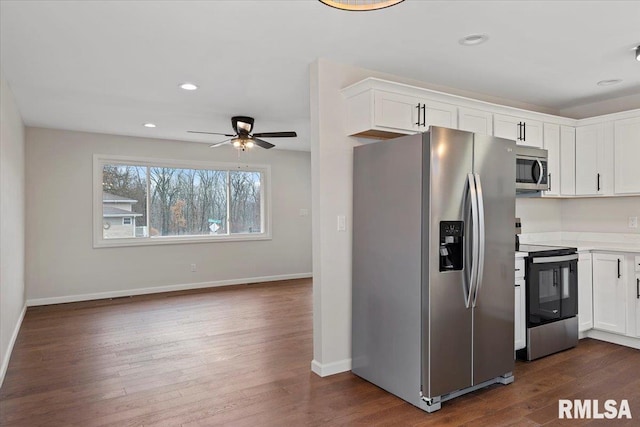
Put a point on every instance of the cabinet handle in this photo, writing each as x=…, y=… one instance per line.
x=619, y=262
x=517, y=286
x=549, y=178
x=598, y=182
x=524, y=131
x=424, y=115
x=519, y=131
x=637, y=288
x=418, y=107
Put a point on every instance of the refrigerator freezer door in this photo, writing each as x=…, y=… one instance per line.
x=494, y=163
x=446, y=321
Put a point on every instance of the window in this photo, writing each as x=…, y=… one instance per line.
x=150, y=201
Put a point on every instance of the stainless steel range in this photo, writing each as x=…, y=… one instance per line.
x=551, y=275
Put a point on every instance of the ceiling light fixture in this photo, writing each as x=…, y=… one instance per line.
x=473, y=39
x=360, y=5
x=242, y=143
x=188, y=86
x=149, y=125
x=609, y=82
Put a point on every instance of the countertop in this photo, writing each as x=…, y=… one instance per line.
x=585, y=242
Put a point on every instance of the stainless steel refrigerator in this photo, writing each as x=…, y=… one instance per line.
x=433, y=264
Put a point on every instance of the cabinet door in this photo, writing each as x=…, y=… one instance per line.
x=532, y=133
x=477, y=121
x=567, y=160
x=627, y=156
x=637, y=302
x=552, y=145
x=519, y=326
x=396, y=111
x=585, y=292
x=507, y=127
x=609, y=293
x=587, y=175
x=438, y=114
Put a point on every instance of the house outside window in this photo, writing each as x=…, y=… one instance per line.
x=151, y=201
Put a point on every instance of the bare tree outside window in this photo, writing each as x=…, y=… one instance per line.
x=186, y=202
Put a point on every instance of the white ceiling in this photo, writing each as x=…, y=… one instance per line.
x=110, y=66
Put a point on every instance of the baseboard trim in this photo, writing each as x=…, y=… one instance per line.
x=324, y=370
x=14, y=337
x=614, y=338
x=158, y=289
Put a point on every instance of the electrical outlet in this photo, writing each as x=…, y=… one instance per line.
x=342, y=223
x=193, y=268
x=633, y=222
x=304, y=212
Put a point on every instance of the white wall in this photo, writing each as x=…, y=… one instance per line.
x=63, y=265
x=12, y=205
x=600, y=215
x=539, y=215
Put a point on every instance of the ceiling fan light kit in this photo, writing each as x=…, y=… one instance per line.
x=360, y=5
x=243, y=139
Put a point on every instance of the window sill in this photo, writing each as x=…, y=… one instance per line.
x=157, y=241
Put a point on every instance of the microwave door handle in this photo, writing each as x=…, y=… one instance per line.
x=481, y=239
x=474, y=238
x=541, y=171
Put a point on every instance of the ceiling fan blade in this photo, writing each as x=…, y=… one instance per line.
x=289, y=134
x=210, y=133
x=217, y=144
x=263, y=144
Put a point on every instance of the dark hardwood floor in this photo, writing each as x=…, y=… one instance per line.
x=240, y=356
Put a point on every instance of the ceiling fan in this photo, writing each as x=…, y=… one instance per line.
x=243, y=138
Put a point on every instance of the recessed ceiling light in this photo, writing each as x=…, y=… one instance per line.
x=638, y=53
x=609, y=82
x=473, y=39
x=149, y=125
x=188, y=86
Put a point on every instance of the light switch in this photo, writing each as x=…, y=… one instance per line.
x=342, y=223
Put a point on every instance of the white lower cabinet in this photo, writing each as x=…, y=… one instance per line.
x=520, y=325
x=585, y=292
x=609, y=292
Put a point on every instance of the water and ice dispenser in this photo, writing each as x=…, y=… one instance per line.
x=451, y=245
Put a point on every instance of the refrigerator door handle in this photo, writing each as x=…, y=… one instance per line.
x=473, y=277
x=481, y=239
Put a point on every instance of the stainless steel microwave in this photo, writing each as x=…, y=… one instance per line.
x=531, y=169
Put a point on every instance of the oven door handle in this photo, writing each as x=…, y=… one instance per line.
x=548, y=259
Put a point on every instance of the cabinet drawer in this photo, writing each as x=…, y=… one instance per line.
x=519, y=268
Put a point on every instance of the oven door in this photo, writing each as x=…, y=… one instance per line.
x=552, y=288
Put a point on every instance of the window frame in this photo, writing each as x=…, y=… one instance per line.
x=100, y=160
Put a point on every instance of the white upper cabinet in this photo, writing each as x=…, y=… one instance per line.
x=567, y=160
x=523, y=131
x=626, y=143
x=384, y=114
x=396, y=111
x=594, y=159
x=552, y=145
x=473, y=120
